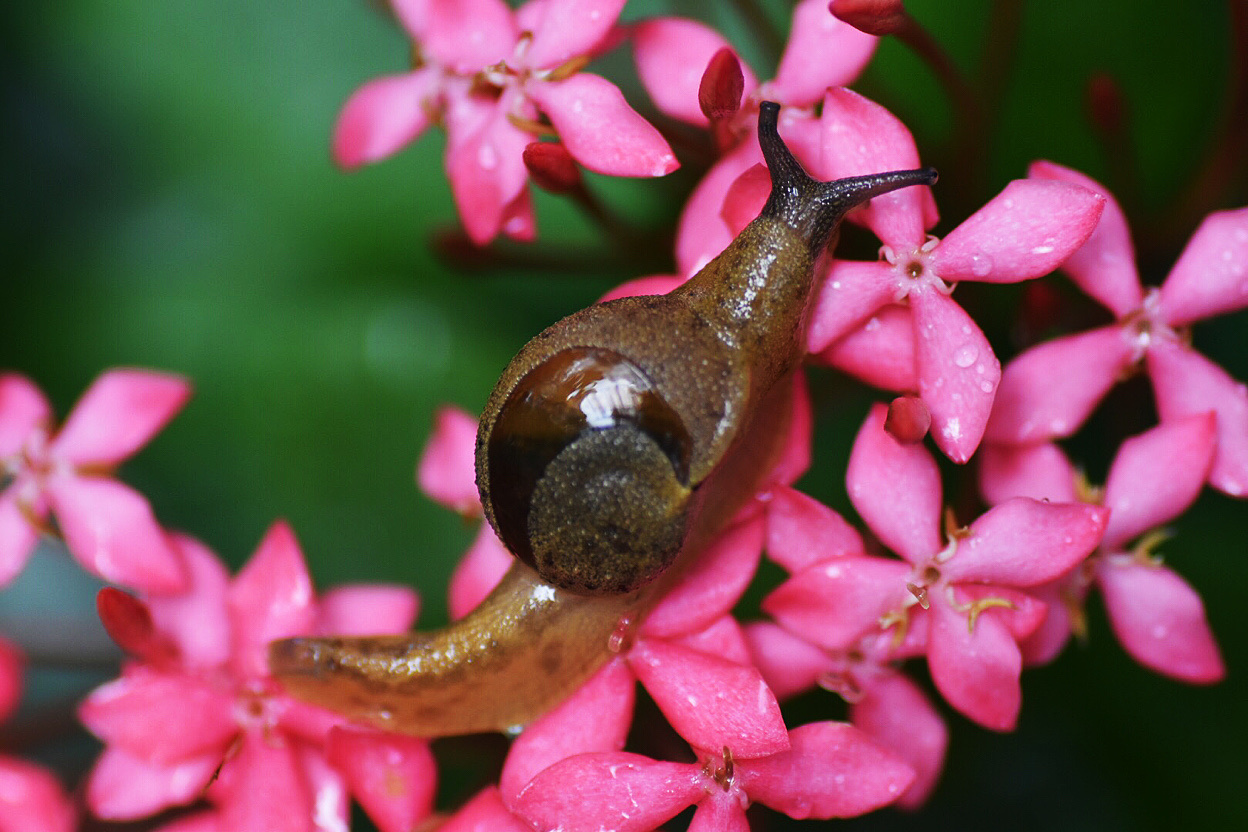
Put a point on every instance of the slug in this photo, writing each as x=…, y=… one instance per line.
x=617, y=444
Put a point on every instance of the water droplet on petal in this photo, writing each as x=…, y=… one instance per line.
x=487, y=158
x=965, y=355
x=987, y=386
x=981, y=265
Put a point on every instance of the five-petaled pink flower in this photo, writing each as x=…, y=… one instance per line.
x=968, y=589
x=490, y=74
x=197, y=702
x=1025, y=231
x=1050, y=390
x=1158, y=617
x=107, y=526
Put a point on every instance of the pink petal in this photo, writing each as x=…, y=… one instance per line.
x=1063, y=599
x=11, y=664
x=711, y=586
x=1157, y=475
x=671, y=54
x=1021, y=614
x=22, y=409
x=1186, y=383
x=1104, y=266
x=822, y=52
x=802, y=531
x=790, y=665
x=469, y=35
x=1041, y=472
x=120, y=413
x=484, y=162
x=123, y=786
x=1024, y=542
x=861, y=137
x=721, y=811
x=701, y=233
x=368, y=610
x=896, y=714
x=1052, y=388
x=600, y=130
x=201, y=822
x=266, y=791
x=745, y=198
x=478, y=572
x=896, y=489
x=794, y=459
x=109, y=528
x=383, y=116
x=880, y=352
x=519, y=223
x=1211, y=277
x=608, y=790
x=17, y=537
x=710, y=702
x=834, y=603
x=447, y=471
x=1025, y=231
x=1160, y=620
x=851, y=293
x=976, y=669
x=723, y=638
x=570, y=28
x=659, y=284
x=958, y=372
x=161, y=717
x=301, y=720
x=271, y=598
x=392, y=776
x=595, y=718
x=413, y=15
x=196, y=620
x=832, y=770
x=331, y=805
x=484, y=813
x=31, y=798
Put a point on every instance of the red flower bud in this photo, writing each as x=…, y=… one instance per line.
x=908, y=420
x=552, y=167
x=875, y=17
x=719, y=94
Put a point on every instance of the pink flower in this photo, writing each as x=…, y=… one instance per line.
x=1024, y=232
x=968, y=588
x=198, y=700
x=673, y=53
x=490, y=73
x=107, y=526
x=1156, y=615
x=827, y=770
x=447, y=471
x=884, y=703
x=1049, y=390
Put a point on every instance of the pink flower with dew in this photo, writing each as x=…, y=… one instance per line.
x=197, y=702
x=1051, y=389
x=1156, y=615
x=827, y=770
x=672, y=54
x=491, y=73
x=1024, y=232
x=107, y=526
x=969, y=588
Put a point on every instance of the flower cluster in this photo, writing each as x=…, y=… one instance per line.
x=196, y=720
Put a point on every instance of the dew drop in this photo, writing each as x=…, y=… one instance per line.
x=981, y=265
x=874, y=323
x=487, y=158
x=987, y=386
x=965, y=355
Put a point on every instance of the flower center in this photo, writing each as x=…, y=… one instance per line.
x=1144, y=327
x=913, y=269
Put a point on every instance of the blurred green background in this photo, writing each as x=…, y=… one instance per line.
x=169, y=202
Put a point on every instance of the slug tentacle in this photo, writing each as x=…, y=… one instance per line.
x=810, y=207
x=615, y=448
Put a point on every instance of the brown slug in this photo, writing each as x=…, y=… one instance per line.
x=617, y=444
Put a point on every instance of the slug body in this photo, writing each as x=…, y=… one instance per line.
x=617, y=444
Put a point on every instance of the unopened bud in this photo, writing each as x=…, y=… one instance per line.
x=128, y=622
x=908, y=420
x=723, y=84
x=552, y=167
x=875, y=17
x=1107, y=108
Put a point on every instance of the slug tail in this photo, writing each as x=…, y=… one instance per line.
x=812, y=208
